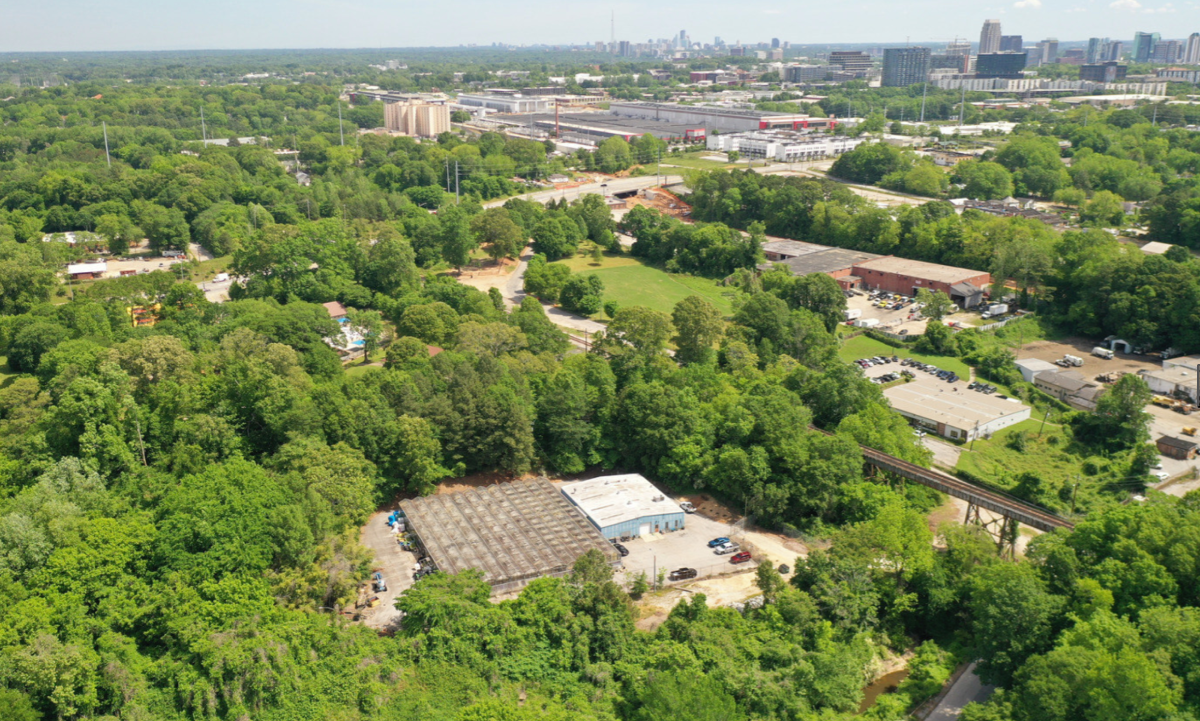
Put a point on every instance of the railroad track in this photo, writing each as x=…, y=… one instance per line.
x=993, y=500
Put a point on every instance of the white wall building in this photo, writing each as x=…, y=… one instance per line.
x=952, y=411
x=784, y=146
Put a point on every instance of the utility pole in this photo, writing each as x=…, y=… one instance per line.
x=1043, y=423
x=1074, y=489
x=924, y=90
x=975, y=436
x=107, y=157
x=203, y=130
x=341, y=133
x=962, y=106
x=456, y=197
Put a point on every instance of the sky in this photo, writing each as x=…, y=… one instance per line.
x=64, y=25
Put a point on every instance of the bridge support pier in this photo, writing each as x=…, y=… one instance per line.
x=1002, y=529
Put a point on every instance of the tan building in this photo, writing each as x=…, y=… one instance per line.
x=1070, y=387
x=422, y=120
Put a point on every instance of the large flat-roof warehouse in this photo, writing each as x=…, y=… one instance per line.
x=625, y=506
x=950, y=410
x=513, y=532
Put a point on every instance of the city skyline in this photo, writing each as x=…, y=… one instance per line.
x=71, y=25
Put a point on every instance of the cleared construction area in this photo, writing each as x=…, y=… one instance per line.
x=513, y=532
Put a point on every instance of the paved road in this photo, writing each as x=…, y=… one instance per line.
x=966, y=689
x=618, y=185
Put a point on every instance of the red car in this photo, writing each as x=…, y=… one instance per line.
x=740, y=557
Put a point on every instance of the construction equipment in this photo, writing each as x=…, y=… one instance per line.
x=1162, y=402
x=1189, y=431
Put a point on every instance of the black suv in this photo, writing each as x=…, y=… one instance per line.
x=682, y=574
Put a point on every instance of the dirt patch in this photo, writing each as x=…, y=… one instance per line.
x=484, y=274
x=1051, y=350
x=710, y=507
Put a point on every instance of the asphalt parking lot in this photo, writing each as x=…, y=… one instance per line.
x=684, y=549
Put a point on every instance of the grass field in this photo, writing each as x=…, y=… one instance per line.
x=993, y=460
x=865, y=347
x=629, y=281
x=695, y=161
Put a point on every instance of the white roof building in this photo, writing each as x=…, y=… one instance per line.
x=1030, y=367
x=625, y=506
x=95, y=267
x=950, y=410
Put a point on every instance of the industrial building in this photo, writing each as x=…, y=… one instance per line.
x=1178, y=448
x=1030, y=367
x=900, y=275
x=952, y=411
x=592, y=128
x=416, y=118
x=788, y=146
x=1000, y=65
x=905, y=66
x=507, y=103
x=625, y=506
x=1070, y=387
x=806, y=258
x=1178, y=378
x=512, y=532
x=726, y=120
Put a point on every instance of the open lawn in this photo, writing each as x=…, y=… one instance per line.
x=208, y=269
x=995, y=461
x=629, y=281
x=694, y=161
x=866, y=347
x=1058, y=472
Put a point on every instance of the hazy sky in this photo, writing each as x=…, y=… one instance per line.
x=60, y=25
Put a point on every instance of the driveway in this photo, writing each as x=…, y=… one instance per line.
x=966, y=689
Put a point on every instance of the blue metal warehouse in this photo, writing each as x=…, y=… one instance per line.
x=625, y=506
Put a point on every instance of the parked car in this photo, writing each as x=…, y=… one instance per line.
x=621, y=549
x=1160, y=475
x=726, y=548
x=742, y=557
x=682, y=574
x=718, y=542
x=687, y=507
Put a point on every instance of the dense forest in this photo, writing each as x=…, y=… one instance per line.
x=180, y=503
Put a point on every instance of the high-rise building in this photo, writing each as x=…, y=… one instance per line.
x=1048, y=51
x=904, y=66
x=624, y=49
x=1106, y=72
x=1191, y=53
x=1143, y=46
x=1166, y=52
x=1112, y=50
x=1095, y=48
x=989, y=37
x=1011, y=43
x=774, y=43
x=851, y=61
x=958, y=47
x=999, y=65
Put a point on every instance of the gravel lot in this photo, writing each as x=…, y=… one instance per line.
x=396, y=567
